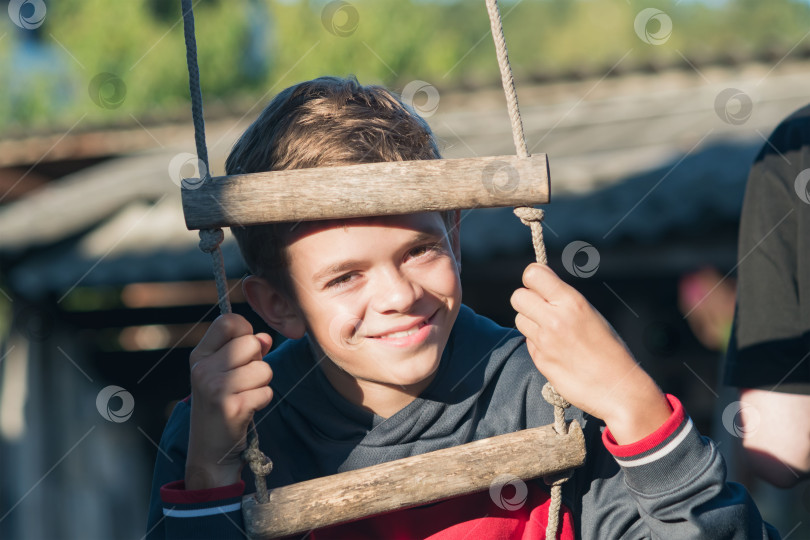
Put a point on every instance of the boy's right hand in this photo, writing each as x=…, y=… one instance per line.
x=229, y=383
x=573, y=345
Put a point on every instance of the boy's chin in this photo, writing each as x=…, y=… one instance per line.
x=418, y=376
x=397, y=369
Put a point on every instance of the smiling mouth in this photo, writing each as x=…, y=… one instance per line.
x=404, y=333
x=409, y=332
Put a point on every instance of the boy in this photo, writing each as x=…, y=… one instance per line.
x=384, y=362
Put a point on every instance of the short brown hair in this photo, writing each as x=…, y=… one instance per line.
x=319, y=123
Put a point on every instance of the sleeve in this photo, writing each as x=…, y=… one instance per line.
x=671, y=484
x=176, y=513
x=771, y=334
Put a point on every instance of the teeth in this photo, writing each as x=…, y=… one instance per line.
x=404, y=333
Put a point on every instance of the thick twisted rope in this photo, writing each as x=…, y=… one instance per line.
x=507, y=79
x=533, y=218
x=210, y=239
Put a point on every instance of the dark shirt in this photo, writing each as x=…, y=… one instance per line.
x=770, y=341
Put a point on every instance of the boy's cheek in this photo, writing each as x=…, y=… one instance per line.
x=447, y=277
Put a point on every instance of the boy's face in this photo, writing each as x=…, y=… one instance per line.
x=379, y=295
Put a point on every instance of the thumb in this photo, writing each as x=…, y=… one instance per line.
x=266, y=341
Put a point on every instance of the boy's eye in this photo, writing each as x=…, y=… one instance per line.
x=341, y=280
x=423, y=250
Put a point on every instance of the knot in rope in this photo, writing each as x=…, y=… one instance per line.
x=529, y=215
x=260, y=465
x=210, y=239
x=532, y=218
x=560, y=404
x=551, y=395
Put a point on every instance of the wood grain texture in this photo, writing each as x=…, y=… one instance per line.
x=476, y=466
x=371, y=189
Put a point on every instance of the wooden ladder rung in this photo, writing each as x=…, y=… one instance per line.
x=413, y=481
x=370, y=189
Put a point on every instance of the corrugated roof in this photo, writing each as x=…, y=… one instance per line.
x=143, y=241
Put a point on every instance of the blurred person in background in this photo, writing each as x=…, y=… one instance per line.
x=767, y=357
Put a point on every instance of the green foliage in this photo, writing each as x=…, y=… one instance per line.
x=253, y=48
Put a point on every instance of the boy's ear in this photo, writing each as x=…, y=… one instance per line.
x=274, y=307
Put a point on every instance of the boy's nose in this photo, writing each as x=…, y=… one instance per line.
x=398, y=293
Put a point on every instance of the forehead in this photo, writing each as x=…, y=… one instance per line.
x=421, y=223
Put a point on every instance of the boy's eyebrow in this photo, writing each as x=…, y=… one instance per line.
x=333, y=269
x=343, y=266
x=430, y=236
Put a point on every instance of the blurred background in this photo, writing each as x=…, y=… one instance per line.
x=651, y=114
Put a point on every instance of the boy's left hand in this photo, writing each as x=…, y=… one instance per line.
x=580, y=354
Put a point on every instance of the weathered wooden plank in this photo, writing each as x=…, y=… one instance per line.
x=412, y=481
x=370, y=189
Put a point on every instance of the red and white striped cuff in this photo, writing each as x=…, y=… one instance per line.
x=655, y=445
